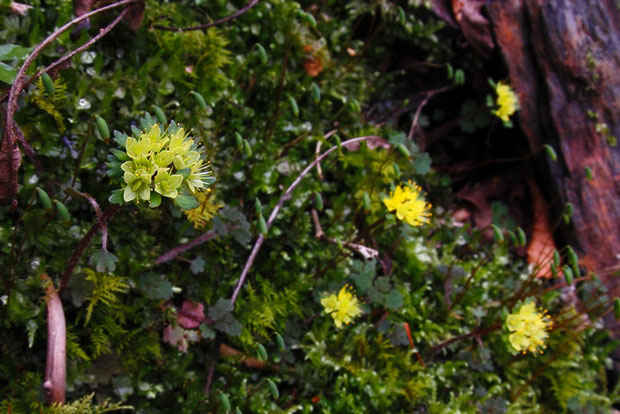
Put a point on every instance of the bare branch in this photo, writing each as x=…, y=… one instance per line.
x=207, y=25
x=184, y=247
x=274, y=213
x=79, y=250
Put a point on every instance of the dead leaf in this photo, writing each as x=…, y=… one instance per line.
x=313, y=66
x=134, y=16
x=541, y=247
x=475, y=26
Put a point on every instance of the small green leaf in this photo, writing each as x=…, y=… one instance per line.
x=280, y=342
x=197, y=265
x=497, y=233
x=294, y=106
x=104, y=261
x=262, y=54
x=568, y=275
x=62, y=211
x=44, y=199
x=273, y=389
x=258, y=207
x=551, y=152
x=225, y=402
x=48, y=84
x=403, y=149
x=396, y=169
x=316, y=93
x=262, y=352
x=449, y=71
x=206, y=332
x=521, y=235
x=155, y=200
x=186, y=202
x=102, y=126
x=401, y=15
x=239, y=141
x=366, y=201
x=116, y=197
x=185, y=172
x=262, y=225
x=161, y=117
x=589, y=175
x=556, y=258
x=318, y=201
x=247, y=147
x=617, y=308
x=200, y=101
x=120, y=155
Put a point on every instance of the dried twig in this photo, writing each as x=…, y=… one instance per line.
x=10, y=158
x=274, y=213
x=79, y=250
x=184, y=247
x=207, y=25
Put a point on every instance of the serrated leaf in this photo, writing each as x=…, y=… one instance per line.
x=197, y=265
x=155, y=286
x=363, y=274
x=422, y=163
x=206, y=332
x=104, y=261
x=394, y=300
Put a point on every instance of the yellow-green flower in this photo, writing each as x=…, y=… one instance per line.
x=138, y=175
x=409, y=204
x=198, y=176
x=529, y=328
x=168, y=184
x=507, y=101
x=343, y=307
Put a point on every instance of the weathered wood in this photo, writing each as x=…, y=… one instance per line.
x=563, y=56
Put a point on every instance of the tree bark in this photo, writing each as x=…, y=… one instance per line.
x=563, y=57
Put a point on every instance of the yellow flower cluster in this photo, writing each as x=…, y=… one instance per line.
x=207, y=209
x=163, y=162
x=343, y=307
x=529, y=328
x=409, y=204
x=507, y=101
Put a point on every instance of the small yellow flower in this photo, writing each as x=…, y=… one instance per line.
x=529, y=328
x=507, y=101
x=343, y=308
x=409, y=204
x=207, y=209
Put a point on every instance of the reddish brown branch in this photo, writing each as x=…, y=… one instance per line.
x=184, y=247
x=207, y=25
x=54, y=383
x=100, y=219
x=79, y=250
x=10, y=158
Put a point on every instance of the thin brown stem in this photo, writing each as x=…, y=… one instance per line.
x=207, y=25
x=171, y=254
x=79, y=250
x=274, y=213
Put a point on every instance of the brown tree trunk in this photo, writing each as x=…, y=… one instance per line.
x=563, y=58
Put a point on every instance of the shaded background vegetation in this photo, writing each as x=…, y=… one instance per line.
x=291, y=80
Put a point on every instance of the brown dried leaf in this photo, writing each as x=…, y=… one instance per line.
x=134, y=16
x=541, y=247
x=475, y=26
